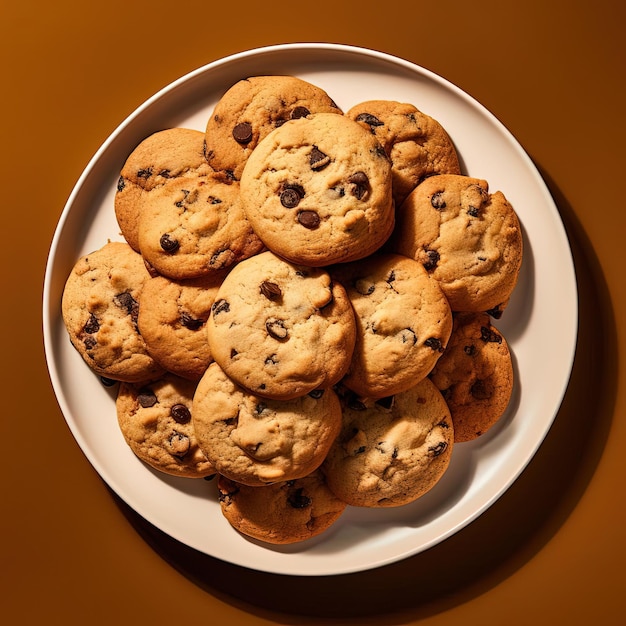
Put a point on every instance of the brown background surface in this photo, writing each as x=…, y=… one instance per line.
x=551, y=551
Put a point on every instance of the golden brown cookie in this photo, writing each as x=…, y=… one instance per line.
x=256, y=441
x=283, y=513
x=281, y=330
x=468, y=239
x=317, y=191
x=391, y=451
x=100, y=306
x=475, y=375
x=156, y=161
x=417, y=144
x=403, y=323
x=155, y=420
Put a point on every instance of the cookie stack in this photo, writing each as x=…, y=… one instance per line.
x=302, y=305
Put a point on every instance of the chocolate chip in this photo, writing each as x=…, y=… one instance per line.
x=121, y=183
x=408, y=336
x=242, y=133
x=298, y=500
x=169, y=244
x=92, y=326
x=360, y=184
x=260, y=407
x=179, y=445
x=125, y=301
x=299, y=112
x=480, y=391
x=90, y=343
x=165, y=174
x=291, y=195
x=146, y=397
x=144, y=173
x=271, y=360
x=220, y=306
x=437, y=201
x=432, y=258
x=270, y=290
x=470, y=350
x=276, y=329
x=434, y=344
x=309, y=219
x=438, y=449
x=371, y=120
x=318, y=160
x=180, y=413
x=473, y=211
x=490, y=336
x=190, y=322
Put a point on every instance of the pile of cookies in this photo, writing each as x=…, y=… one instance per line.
x=302, y=305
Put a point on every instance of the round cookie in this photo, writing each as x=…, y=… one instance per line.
x=283, y=513
x=172, y=322
x=417, y=144
x=155, y=420
x=195, y=227
x=475, y=375
x=256, y=441
x=468, y=239
x=100, y=306
x=251, y=109
x=403, y=323
x=281, y=330
x=317, y=191
x=390, y=451
x=158, y=159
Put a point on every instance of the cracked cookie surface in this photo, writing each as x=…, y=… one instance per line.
x=403, y=323
x=390, y=451
x=155, y=420
x=256, y=441
x=317, y=191
x=279, y=329
x=100, y=306
x=416, y=143
x=156, y=161
x=195, y=227
x=468, y=239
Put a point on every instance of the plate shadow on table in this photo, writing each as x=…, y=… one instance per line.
x=488, y=550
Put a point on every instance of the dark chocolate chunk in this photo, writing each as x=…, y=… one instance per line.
x=146, y=397
x=220, y=306
x=242, y=133
x=318, y=160
x=190, y=322
x=438, y=449
x=299, y=112
x=276, y=328
x=434, y=344
x=489, y=335
x=432, y=257
x=145, y=174
x=121, y=183
x=92, y=326
x=180, y=413
x=360, y=184
x=270, y=290
x=371, y=120
x=125, y=301
x=309, y=219
x=437, y=201
x=168, y=243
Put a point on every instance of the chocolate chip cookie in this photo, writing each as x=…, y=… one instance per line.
x=195, y=226
x=155, y=420
x=251, y=109
x=416, y=143
x=172, y=322
x=157, y=160
x=100, y=307
x=403, y=323
x=475, y=375
x=283, y=513
x=256, y=441
x=281, y=330
x=393, y=450
x=468, y=239
x=317, y=191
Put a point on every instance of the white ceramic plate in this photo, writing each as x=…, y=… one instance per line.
x=543, y=312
